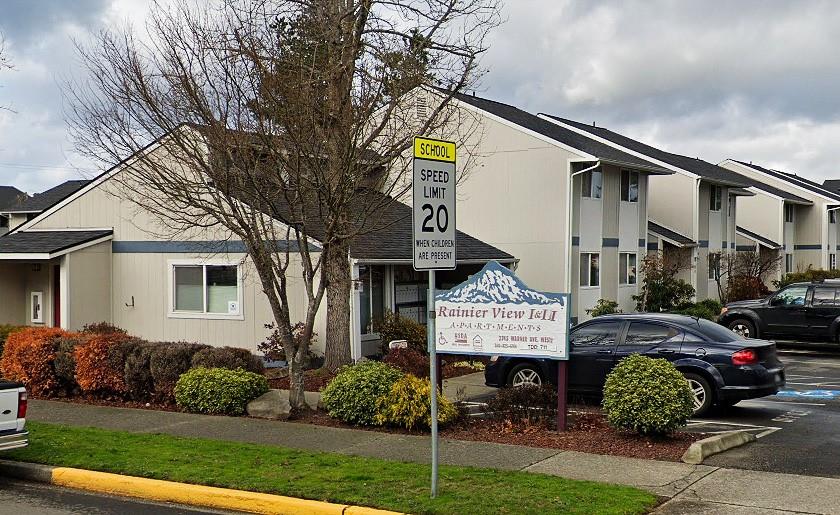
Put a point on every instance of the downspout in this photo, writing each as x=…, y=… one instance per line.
x=569, y=222
x=695, y=279
x=827, y=236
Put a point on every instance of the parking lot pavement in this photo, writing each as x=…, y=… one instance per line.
x=798, y=430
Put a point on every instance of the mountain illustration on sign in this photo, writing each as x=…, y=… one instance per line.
x=497, y=284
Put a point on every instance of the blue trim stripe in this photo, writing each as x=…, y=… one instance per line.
x=732, y=245
x=807, y=247
x=177, y=247
x=745, y=248
x=575, y=241
x=725, y=244
x=642, y=243
x=704, y=244
x=609, y=242
x=652, y=245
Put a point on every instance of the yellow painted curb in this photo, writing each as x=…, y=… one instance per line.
x=197, y=495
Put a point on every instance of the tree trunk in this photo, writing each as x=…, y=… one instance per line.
x=337, y=349
x=297, y=399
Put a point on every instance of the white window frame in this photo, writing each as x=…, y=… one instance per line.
x=627, y=268
x=713, y=264
x=173, y=313
x=39, y=319
x=590, y=174
x=626, y=193
x=588, y=265
x=789, y=209
x=715, y=198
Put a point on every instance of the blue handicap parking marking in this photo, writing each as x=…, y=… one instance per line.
x=810, y=394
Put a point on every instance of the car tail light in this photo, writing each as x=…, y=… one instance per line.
x=745, y=357
x=22, y=401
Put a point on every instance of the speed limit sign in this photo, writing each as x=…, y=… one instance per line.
x=434, y=204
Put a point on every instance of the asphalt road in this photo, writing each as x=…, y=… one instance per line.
x=798, y=430
x=22, y=498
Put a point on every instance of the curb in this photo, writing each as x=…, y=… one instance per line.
x=702, y=449
x=180, y=493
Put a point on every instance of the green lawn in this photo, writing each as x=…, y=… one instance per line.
x=323, y=476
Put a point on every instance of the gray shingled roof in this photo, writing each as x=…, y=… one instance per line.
x=832, y=185
x=46, y=242
x=795, y=179
x=385, y=231
x=767, y=242
x=46, y=199
x=670, y=234
x=10, y=195
x=527, y=120
x=697, y=166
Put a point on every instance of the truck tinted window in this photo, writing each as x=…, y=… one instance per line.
x=824, y=297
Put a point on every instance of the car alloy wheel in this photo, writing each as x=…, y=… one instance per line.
x=698, y=394
x=525, y=377
x=741, y=330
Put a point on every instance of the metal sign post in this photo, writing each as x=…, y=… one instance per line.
x=433, y=240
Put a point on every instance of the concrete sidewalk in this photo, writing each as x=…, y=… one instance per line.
x=689, y=488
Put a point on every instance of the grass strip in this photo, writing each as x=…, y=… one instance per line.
x=323, y=476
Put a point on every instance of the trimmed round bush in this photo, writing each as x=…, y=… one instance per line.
x=218, y=391
x=649, y=396
x=137, y=372
x=97, y=372
x=29, y=356
x=409, y=361
x=228, y=357
x=65, y=360
x=352, y=395
x=167, y=362
x=408, y=404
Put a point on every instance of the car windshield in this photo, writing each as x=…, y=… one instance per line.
x=715, y=332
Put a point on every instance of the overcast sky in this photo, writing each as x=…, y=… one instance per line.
x=756, y=81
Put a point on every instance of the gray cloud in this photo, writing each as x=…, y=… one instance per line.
x=754, y=80
x=714, y=79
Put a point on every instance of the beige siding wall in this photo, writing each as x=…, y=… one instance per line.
x=672, y=198
x=88, y=286
x=514, y=197
x=762, y=214
x=150, y=315
x=15, y=296
x=38, y=277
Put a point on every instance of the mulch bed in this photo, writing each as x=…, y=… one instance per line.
x=313, y=380
x=114, y=403
x=587, y=432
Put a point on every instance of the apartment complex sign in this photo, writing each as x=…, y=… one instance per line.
x=495, y=313
x=433, y=210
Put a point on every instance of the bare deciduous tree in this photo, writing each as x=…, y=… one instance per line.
x=247, y=112
x=744, y=274
x=5, y=63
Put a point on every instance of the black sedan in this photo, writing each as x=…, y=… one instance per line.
x=721, y=367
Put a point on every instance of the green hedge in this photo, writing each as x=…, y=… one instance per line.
x=649, y=396
x=218, y=390
x=352, y=395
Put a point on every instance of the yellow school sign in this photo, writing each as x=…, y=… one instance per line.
x=434, y=150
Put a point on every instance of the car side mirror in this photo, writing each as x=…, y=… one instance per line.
x=775, y=301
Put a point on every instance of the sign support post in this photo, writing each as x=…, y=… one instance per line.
x=433, y=241
x=562, y=393
x=433, y=379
